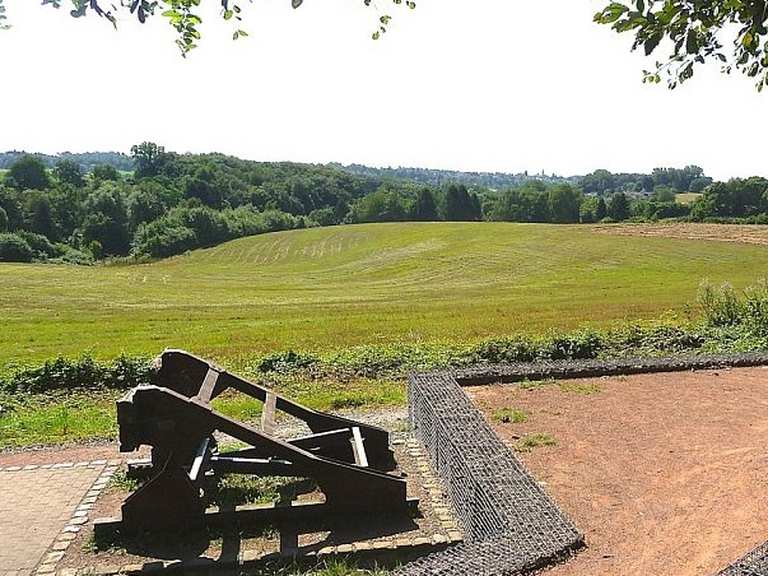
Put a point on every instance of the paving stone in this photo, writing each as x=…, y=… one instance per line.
x=54, y=556
x=41, y=501
x=439, y=539
x=61, y=545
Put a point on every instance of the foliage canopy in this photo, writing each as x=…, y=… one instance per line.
x=184, y=16
x=696, y=31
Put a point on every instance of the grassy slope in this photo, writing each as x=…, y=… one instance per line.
x=329, y=288
x=687, y=197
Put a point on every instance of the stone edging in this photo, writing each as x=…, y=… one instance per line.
x=565, y=369
x=55, y=553
x=60, y=465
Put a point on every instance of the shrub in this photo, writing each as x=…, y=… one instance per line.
x=286, y=361
x=69, y=255
x=754, y=308
x=160, y=239
x=641, y=340
x=14, y=248
x=582, y=345
x=720, y=306
x=42, y=248
x=82, y=373
x=505, y=350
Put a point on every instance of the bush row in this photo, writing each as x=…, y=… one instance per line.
x=83, y=373
x=23, y=246
x=730, y=321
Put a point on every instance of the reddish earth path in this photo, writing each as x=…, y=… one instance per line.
x=666, y=474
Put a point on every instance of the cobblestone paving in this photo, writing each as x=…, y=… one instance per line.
x=36, y=503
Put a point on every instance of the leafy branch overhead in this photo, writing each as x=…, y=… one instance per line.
x=182, y=15
x=730, y=32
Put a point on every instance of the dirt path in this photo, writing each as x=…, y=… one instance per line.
x=666, y=474
x=739, y=233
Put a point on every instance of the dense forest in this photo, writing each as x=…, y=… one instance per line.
x=74, y=209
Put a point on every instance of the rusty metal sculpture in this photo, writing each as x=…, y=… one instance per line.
x=348, y=460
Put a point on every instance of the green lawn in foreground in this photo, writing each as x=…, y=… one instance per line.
x=329, y=288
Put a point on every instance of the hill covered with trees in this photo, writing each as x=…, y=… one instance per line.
x=86, y=160
x=72, y=208
x=433, y=177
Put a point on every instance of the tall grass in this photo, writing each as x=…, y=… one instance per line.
x=723, y=306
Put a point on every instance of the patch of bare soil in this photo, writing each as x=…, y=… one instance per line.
x=740, y=233
x=666, y=474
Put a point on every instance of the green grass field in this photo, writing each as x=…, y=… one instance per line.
x=330, y=288
x=687, y=198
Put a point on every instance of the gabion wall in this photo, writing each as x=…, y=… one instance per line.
x=753, y=564
x=511, y=525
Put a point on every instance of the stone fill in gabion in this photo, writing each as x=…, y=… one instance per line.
x=511, y=525
x=753, y=564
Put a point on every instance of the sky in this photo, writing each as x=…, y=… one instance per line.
x=472, y=85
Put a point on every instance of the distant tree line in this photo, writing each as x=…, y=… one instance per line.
x=86, y=160
x=171, y=203
x=738, y=200
x=688, y=179
x=439, y=178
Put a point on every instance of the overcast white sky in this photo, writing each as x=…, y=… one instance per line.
x=497, y=85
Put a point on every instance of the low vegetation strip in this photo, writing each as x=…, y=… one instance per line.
x=511, y=525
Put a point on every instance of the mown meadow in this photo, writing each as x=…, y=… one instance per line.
x=331, y=288
x=334, y=317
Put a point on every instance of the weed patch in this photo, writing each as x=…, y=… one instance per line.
x=510, y=416
x=536, y=440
